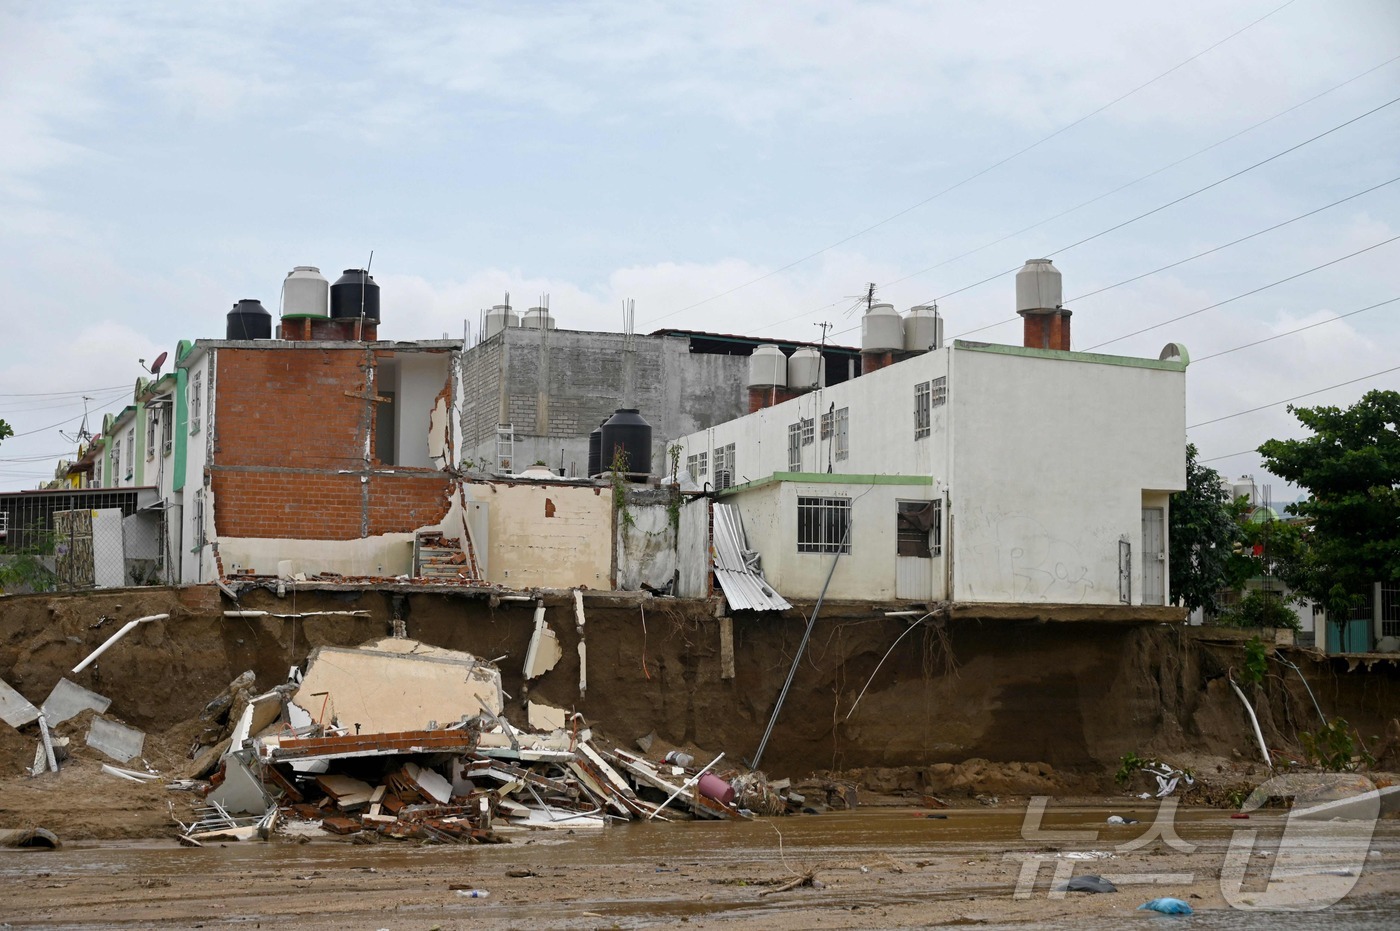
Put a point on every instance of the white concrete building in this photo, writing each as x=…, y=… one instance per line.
x=969, y=473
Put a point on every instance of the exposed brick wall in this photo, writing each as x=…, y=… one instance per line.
x=288, y=461
x=1046, y=330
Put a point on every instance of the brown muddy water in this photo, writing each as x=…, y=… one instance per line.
x=880, y=868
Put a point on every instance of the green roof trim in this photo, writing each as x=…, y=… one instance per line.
x=1166, y=365
x=830, y=478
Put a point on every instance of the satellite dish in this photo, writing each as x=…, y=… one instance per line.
x=155, y=366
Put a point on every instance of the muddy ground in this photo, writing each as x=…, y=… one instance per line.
x=882, y=868
x=997, y=709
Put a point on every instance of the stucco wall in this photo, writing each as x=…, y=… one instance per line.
x=1051, y=462
x=553, y=536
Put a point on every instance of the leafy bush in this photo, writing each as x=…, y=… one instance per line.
x=1258, y=609
x=1333, y=748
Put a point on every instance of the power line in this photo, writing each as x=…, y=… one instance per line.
x=1294, y=398
x=1237, y=297
x=51, y=426
x=1297, y=330
x=1150, y=174
x=973, y=177
x=1197, y=255
x=54, y=394
x=1200, y=310
x=1173, y=203
x=1302, y=216
x=1121, y=187
x=1229, y=455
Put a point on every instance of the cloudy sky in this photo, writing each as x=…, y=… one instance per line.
x=738, y=167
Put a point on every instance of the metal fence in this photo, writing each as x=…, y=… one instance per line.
x=67, y=539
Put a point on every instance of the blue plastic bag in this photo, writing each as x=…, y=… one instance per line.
x=1166, y=907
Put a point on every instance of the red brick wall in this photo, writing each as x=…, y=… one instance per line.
x=1046, y=331
x=289, y=444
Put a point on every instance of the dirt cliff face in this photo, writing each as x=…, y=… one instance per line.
x=1074, y=697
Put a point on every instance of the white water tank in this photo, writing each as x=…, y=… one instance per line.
x=500, y=317
x=881, y=329
x=805, y=369
x=923, y=329
x=306, y=291
x=537, y=318
x=1038, y=286
x=1245, y=488
x=768, y=367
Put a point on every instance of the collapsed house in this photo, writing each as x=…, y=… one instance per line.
x=400, y=739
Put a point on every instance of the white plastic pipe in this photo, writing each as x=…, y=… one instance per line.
x=1254, y=719
x=130, y=625
x=693, y=780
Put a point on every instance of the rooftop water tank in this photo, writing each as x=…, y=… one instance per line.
x=595, y=450
x=1038, y=286
x=923, y=329
x=768, y=367
x=805, y=369
x=355, y=294
x=305, y=292
x=537, y=318
x=881, y=329
x=500, y=317
x=1245, y=488
x=627, y=434
x=249, y=320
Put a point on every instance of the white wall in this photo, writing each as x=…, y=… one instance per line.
x=198, y=566
x=1051, y=462
x=1046, y=459
x=422, y=418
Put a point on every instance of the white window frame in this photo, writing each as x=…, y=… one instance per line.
x=823, y=524
x=795, y=447
x=842, y=430
x=809, y=431
x=151, y=424
x=923, y=421
x=196, y=402
x=129, y=453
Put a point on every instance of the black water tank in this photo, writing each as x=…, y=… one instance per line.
x=595, y=450
x=353, y=291
x=627, y=431
x=249, y=319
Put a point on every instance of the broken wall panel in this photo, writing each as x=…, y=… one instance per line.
x=118, y=741
x=396, y=685
x=69, y=699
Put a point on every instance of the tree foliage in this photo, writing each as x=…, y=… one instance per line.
x=1350, y=467
x=1204, y=529
x=5, y=430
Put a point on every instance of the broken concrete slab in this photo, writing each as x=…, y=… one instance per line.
x=430, y=782
x=242, y=791
x=118, y=741
x=545, y=717
x=397, y=684
x=15, y=709
x=69, y=699
x=544, y=651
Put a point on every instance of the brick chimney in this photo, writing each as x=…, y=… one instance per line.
x=1039, y=296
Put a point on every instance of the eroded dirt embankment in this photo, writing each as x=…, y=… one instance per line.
x=1055, y=706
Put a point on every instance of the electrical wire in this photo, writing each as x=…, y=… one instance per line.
x=1294, y=398
x=1300, y=329
x=1237, y=297
x=52, y=394
x=973, y=177
x=1173, y=203
x=1093, y=200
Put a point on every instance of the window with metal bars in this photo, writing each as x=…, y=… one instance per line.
x=823, y=525
x=724, y=467
x=809, y=431
x=922, y=419
x=697, y=465
x=939, y=391
x=795, y=447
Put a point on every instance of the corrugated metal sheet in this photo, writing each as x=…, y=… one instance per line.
x=735, y=566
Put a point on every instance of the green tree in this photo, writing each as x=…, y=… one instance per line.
x=5, y=430
x=1350, y=467
x=1204, y=530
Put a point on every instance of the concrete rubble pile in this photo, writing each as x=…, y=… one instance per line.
x=400, y=739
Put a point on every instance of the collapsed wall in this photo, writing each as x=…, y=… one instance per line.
x=1074, y=696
